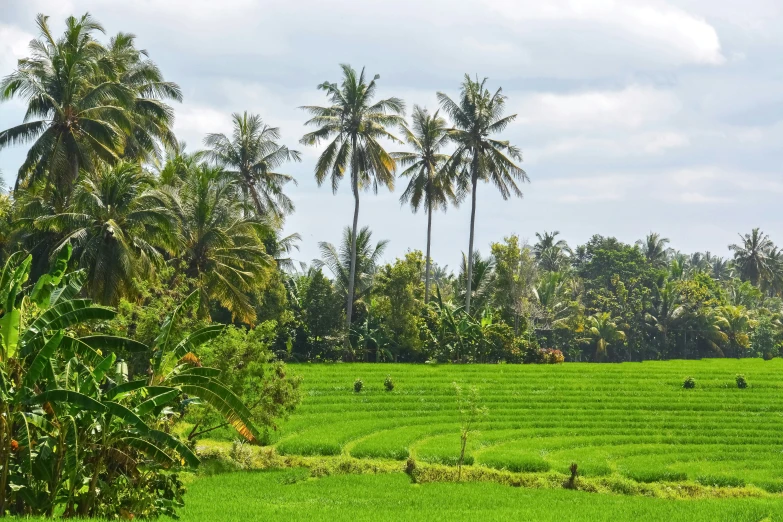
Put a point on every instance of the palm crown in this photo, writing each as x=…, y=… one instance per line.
x=255, y=154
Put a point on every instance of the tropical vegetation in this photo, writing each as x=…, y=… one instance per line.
x=150, y=296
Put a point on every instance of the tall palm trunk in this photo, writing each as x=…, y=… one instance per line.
x=355, y=183
x=429, y=240
x=250, y=188
x=474, y=182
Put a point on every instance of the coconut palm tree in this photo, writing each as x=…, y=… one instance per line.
x=254, y=154
x=477, y=115
x=666, y=311
x=118, y=224
x=654, y=248
x=150, y=117
x=552, y=254
x=221, y=244
x=735, y=322
x=338, y=261
x=356, y=122
x=721, y=269
x=72, y=116
x=483, y=279
x=751, y=258
x=430, y=184
x=603, y=332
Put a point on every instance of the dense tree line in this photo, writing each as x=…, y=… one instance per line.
x=105, y=176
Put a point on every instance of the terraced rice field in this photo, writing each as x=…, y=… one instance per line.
x=287, y=495
x=631, y=419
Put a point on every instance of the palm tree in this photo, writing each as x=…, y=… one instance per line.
x=549, y=240
x=356, y=124
x=476, y=116
x=551, y=298
x=150, y=117
x=117, y=224
x=221, y=244
x=654, y=249
x=172, y=168
x=602, y=331
x=751, y=258
x=665, y=311
x=338, y=261
x=75, y=117
x=552, y=254
x=735, y=322
x=721, y=269
x=429, y=183
x=482, y=279
x=254, y=155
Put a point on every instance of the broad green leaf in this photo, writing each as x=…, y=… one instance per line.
x=202, y=371
x=176, y=445
x=126, y=415
x=43, y=288
x=39, y=363
x=24, y=440
x=161, y=341
x=71, y=286
x=152, y=451
x=158, y=400
x=121, y=390
x=196, y=339
x=93, y=313
x=222, y=399
x=9, y=330
x=69, y=397
x=107, y=343
x=104, y=366
x=6, y=276
x=72, y=347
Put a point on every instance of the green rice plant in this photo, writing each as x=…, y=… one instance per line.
x=605, y=418
x=290, y=494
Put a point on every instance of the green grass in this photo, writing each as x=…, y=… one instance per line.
x=290, y=495
x=632, y=419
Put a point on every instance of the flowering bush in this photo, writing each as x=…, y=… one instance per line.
x=552, y=356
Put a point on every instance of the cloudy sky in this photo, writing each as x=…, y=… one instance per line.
x=634, y=115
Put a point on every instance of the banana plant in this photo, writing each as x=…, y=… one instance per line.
x=71, y=433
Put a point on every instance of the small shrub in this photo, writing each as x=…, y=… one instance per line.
x=741, y=382
x=242, y=454
x=689, y=383
x=358, y=385
x=388, y=383
x=552, y=356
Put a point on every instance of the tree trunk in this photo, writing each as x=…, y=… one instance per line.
x=352, y=277
x=427, y=269
x=249, y=187
x=474, y=181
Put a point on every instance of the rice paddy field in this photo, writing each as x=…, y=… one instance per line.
x=629, y=420
x=289, y=495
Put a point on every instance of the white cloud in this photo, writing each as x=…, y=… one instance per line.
x=688, y=38
x=698, y=197
x=13, y=45
x=629, y=108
